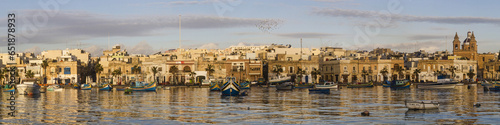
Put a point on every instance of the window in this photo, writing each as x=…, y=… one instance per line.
x=291, y=69
x=67, y=70
x=375, y=68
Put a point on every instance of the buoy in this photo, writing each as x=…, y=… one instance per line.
x=365, y=113
x=477, y=105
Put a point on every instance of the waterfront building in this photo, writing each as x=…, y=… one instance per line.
x=350, y=70
x=468, y=50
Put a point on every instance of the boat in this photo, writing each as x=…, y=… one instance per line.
x=245, y=85
x=326, y=85
x=304, y=86
x=285, y=86
x=400, y=84
x=85, y=87
x=386, y=83
x=214, y=86
x=128, y=90
x=106, y=87
x=490, y=86
x=9, y=88
x=76, y=86
x=442, y=83
x=280, y=80
x=141, y=86
x=360, y=85
x=54, y=88
x=421, y=105
x=319, y=91
x=230, y=88
x=28, y=87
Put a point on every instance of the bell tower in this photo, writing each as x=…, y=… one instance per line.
x=456, y=43
x=473, y=43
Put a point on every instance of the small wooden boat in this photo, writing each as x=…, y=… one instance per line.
x=420, y=105
x=245, y=85
x=400, y=84
x=106, y=87
x=285, y=86
x=214, y=86
x=319, y=91
x=304, y=86
x=54, y=88
x=326, y=85
x=230, y=88
x=360, y=85
x=490, y=86
x=444, y=82
x=141, y=86
x=9, y=88
x=76, y=86
x=386, y=84
x=28, y=87
x=85, y=87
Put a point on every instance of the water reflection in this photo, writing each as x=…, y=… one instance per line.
x=262, y=106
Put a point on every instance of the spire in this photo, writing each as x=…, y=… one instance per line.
x=473, y=35
x=456, y=35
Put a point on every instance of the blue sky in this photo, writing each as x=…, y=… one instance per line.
x=152, y=25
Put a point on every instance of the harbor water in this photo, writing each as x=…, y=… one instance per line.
x=188, y=105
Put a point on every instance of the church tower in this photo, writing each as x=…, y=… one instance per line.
x=473, y=43
x=456, y=43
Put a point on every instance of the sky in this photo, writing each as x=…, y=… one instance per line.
x=150, y=26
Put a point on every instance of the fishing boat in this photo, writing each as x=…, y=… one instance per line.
x=319, y=91
x=106, y=87
x=85, y=87
x=360, y=85
x=420, y=105
x=214, y=86
x=76, y=86
x=386, y=83
x=326, y=85
x=9, y=88
x=400, y=84
x=230, y=88
x=54, y=88
x=285, y=86
x=245, y=85
x=490, y=86
x=304, y=86
x=281, y=80
x=28, y=87
x=141, y=86
x=443, y=83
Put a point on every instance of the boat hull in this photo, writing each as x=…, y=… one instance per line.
x=285, y=86
x=319, y=91
x=106, y=88
x=86, y=87
x=151, y=87
x=230, y=88
x=422, y=105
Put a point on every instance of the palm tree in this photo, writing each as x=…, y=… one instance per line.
x=45, y=64
x=364, y=73
x=415, y=73
x=29, y=74
x=192, y=74
x=136, y=69
x=452, y=69
x=116, y=72
x=384, y=73
x=210, y=70
x=98, y=69
x=277, y=69
x=300, y=73
x=315, y=73
x=471, y=74
x=154, y=69
x=174, y=70
x=399, y=70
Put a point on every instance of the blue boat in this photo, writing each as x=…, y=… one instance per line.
x=141, y=86
x=106, y=87
x=245, y=85
x=9, y=88
x=319, y=91
x=230, y=88
x=490, y=86
x=400, y=84
x=86, y=87
x=386, y=83
x=214, y=86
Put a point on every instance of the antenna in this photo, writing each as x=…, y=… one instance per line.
x=179, y=34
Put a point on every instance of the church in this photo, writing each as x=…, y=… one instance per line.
x=468, y=50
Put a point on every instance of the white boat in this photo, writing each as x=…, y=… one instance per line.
x=442, y=83
x=28, y=87
x=419, y=105
x=326, y=85
x=281, y=80
x=54, y=88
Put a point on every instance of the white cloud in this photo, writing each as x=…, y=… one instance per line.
x=94, y=50
x=406, y=18
x=428, y=46
x=142, y=48
x=306, y=35
x=209, y=46
x=35, y=49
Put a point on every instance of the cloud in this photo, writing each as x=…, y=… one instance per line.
x=142, y=48
x=406, y=18
x=425, y=37
x=35, y=49
x=209, y=46
x=428, y=46
x=249, y=44
x=306, y=35
x=69, y=26
x=95, y=51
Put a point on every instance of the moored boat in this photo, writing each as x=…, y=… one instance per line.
x=420, y=105
x=141, y=86
x=285, y=86
x=442, y=83
x=304, y=86
x=106, y=87
x=214, y=86
x=85, y=87
x=230, y=88
x=54, y=88
x=8, y=88
x=319, y=91
x=490, y=86
x=28, y=87
x=245, y=85
x=326, y=85
x=400, y=84
x=360, y=85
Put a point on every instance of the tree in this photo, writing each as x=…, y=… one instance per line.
x=174, y=70
x=384, y=73
x=29, y=74
x=136, y=69
x=471, y=74
x=98, y=69
x=399, y=70
x=315, y=73
x=210, y=70
x=192, y=74
x=154, y=69
x=45, y=64
x=364, y=73
x=300, y=73
x=452, y=69
x=415, y=73
x=116, y=72
x=277, y=69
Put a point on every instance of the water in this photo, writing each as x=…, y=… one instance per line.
x=185, y=105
